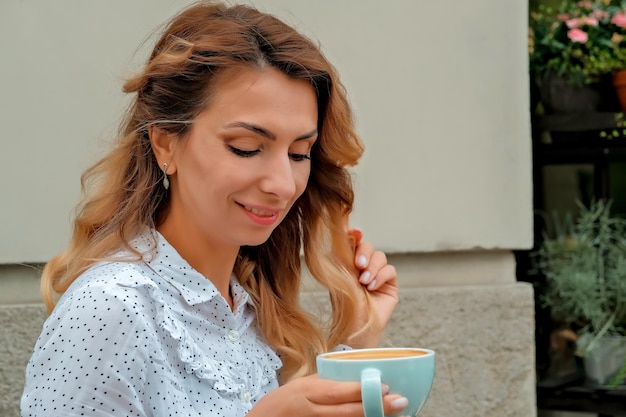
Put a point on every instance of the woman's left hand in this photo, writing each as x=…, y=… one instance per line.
x=380, y=279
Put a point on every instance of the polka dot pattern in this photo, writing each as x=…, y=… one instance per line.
x=149, y=339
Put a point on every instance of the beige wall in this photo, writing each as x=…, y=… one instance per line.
x=61, y=75
x=439, y=91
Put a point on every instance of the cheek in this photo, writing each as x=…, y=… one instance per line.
x=302, y=179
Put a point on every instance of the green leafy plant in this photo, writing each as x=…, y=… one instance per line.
x=619, y=131
x=584, y=264
x=582, y=41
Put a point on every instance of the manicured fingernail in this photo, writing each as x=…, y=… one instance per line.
x=365, y=277
x=399, y=403
x=385, y=389
x=361, y=261
x=372, y=285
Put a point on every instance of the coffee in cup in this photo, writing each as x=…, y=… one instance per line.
x=375, y=354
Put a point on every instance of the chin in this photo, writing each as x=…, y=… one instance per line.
x=256, y=242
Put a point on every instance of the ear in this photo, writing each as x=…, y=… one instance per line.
x=163, y=144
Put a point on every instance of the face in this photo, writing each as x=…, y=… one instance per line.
x=246, y=159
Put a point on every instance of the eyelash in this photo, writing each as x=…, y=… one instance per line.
x=297, y=157
x=243, y=153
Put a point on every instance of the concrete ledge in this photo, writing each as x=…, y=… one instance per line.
x=20, y=325
x=483, y=336
x=484, y=340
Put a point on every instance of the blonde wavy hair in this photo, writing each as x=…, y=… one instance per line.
x=122, y=193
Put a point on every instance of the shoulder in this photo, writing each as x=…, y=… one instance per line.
x=113, y=273
x=111, y=278
x=107, y=304
x=109, y=288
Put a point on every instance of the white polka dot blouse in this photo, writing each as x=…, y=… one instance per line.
x=149, y=339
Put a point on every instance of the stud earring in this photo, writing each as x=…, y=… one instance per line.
x=166, y=181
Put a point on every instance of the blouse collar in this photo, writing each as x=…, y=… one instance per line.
x=194, y=287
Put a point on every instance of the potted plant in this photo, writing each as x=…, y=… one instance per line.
x=574, y=52
x=584, y=264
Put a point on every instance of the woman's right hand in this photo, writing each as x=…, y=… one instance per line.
x=311, y=396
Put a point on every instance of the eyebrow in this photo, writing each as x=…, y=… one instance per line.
x=261, y=131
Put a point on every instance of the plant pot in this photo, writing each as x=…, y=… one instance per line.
x=619, y=82
x=560, y=96
x=605, y=360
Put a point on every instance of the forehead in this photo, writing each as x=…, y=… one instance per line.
x=245, y=78
x=264, y=93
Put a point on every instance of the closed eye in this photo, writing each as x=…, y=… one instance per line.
x=298, y=157
x=243, y=153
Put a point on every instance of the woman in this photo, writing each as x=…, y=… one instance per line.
x=180, y=284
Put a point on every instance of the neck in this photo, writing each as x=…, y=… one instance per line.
x=214, y=261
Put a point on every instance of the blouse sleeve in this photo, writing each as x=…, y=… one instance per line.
x=341, y=348
x=92, y=356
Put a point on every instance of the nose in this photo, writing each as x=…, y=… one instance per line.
x=278, y=177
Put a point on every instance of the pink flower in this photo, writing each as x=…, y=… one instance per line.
x=619, y=20
x=563, y=17
x=585, y=4
x=580, y=21
x=600, y=14
x=577, y=35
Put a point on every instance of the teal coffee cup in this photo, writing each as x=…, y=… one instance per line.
x=407, y=371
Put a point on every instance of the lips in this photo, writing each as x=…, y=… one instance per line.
x=261, y=212
x=264, y=216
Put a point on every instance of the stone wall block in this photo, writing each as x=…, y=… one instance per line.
x=20, y=326
x=483, y=337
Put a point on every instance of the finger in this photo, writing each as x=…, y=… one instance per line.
x=332, y=392
x=375, y=261
x=354, y=409
x=355, y=235
x=362, y=255
x=391, y=404
x=387, y=275
x=394, y=403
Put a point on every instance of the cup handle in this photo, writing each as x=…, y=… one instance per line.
x=371, y=393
